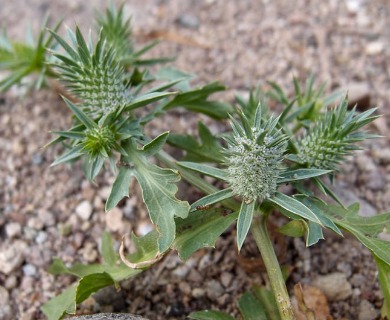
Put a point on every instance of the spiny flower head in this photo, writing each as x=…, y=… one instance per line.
x=93, y=75
x=333, y=136
x=253, y=157
x=99, y=141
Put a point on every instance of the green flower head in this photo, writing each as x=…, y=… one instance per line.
x=253, y=157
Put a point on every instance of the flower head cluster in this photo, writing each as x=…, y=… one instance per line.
x=332, y=137
x=253, y=157
x=94, y=76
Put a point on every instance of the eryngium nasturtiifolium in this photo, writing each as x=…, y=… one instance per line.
x=333, y=136
x=253, y=156
x=93, y=75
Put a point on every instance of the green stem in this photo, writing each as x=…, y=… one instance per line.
x=263, y=241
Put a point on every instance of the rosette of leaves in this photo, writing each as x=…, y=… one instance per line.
x=252, y=170
x=23, y=59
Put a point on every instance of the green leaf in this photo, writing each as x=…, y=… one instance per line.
x=210, y=315
x=147, y=99
x=72, y=154
x=62, y=304
x=212, y=198
x=84, y=119
x=196, y=100
x=155, y=145
x=250, y=308
x=91, y=284
x=384, y=280
x=301, y=174
x=200, y=229
x=206, y=151
x=146, y=247
x=120, y=187
x=158, y=191
x=244, y=222
x=365, y=229
x=314, y=234
x=326, y=221
x=294, y=228
x=205, y=169
x=109, y=255
x=289, y=204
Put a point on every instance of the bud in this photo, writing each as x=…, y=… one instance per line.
x=99, y=141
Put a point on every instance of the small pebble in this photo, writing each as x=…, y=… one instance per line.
x=4, y=296
x=226, y=279
x=11, y=282
x=335, y=286
x=36, y=159
x=214, y=290
x=374, y=48
x=114, y=219
x=187, y=20
x=367, y=311
x=29, y=270
x=12, y=257
x=13, y=229
x=84, y=210
x=197, y=293
x=41, y=237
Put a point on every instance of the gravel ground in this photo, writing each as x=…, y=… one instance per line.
x=47, y=212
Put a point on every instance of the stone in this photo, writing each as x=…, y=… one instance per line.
x=114, y=219
x=226, y=279
x=335, y=286
x=36, y=159
x=374, y=48
x=41, y=237
x=4, y=296
x=197, y=293
x=12, y=257
x=29, y=270
x=11, y=282
x=181, y=272
x=366, y=311
x=84, y=210
x=13, y=229
x=187, y=20
x=214, y=290
x=359, y=94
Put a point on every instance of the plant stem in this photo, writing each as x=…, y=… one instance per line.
x=263, y=241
